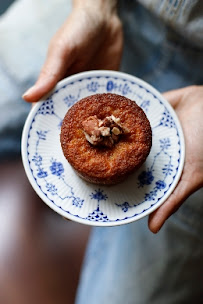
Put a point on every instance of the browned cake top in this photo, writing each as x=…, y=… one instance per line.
x=129, y=152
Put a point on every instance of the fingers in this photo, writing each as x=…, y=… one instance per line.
x=180, y=194
x=59, y=58
x=175, y=96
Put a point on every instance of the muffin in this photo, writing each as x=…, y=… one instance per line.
x=105, y=137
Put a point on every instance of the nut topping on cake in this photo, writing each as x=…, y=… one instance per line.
x=104, y=132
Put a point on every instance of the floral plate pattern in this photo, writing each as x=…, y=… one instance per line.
x=57, y=184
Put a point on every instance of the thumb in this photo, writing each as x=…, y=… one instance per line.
x=183, y=190
x=59, y=59
x=175, y=96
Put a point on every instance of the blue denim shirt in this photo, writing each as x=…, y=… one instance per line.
x=185, y=16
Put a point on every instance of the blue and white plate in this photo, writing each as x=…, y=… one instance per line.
x=57, y=184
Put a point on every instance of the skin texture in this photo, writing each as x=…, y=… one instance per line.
x=101, y=29
x=99, y=39
x=188, y=104
x=106, y=165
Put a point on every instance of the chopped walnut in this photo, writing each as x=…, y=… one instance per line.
x=116, y=131
x=104, y=132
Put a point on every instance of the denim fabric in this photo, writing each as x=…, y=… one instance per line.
x=128, y=264
x=185, y=16
x=157, y=54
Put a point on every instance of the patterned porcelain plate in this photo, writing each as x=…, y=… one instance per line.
x=55, y=181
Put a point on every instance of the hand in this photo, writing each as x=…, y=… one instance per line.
x=91, y=38
x=188, y=104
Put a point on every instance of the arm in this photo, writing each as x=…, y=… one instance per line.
x=188, y=104
x=90, y=38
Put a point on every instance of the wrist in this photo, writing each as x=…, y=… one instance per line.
x=107, y=7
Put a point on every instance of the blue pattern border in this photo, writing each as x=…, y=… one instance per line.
x=122, y=92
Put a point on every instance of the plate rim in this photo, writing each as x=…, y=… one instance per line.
x=73, y=78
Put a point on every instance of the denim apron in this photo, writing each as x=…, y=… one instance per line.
x=128, y=264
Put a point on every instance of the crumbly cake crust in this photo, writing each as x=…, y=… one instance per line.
x=103, y=165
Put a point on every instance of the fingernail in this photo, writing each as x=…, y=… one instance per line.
x=29, y=91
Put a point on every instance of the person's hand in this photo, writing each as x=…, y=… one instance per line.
x=188, y=104
x=91, y=38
